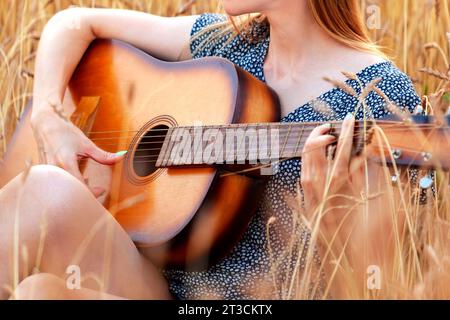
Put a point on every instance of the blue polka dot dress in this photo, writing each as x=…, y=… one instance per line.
x=262, y=264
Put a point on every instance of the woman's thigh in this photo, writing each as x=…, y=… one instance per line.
x=51, y=222
x=45, y=286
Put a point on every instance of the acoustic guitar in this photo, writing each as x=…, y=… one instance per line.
x=189, y=206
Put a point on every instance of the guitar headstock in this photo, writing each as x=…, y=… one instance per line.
x=414, y=141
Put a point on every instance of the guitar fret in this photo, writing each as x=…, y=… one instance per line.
x=247, y=148
x=208, y=137
x=171, y=161
x=169, y=147
x=286, y=140
x=197, y=158
x=167, y=161
x=189, y=141
x=299, y=140
x=163, y=151
x=238, y=147
x=247, y=152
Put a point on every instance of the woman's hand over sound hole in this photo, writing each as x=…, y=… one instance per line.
x=62, y=144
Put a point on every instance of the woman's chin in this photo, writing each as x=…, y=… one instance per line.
x=234, y=12
x=237, y=8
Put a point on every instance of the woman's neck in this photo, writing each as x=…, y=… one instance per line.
x=294, y=41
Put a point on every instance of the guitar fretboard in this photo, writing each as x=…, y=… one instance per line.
x=236, y=143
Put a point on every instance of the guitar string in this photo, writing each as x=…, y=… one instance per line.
x=286, y=151
x=285, y=124
x=283, y=158
x=161, y=142
x=394, y=128
x=265, y=165
x=288, y=137
x=143, y=142
x=290, y=149
x=105, y=145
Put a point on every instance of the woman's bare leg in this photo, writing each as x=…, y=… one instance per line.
x=50, y=221
x=45, y=286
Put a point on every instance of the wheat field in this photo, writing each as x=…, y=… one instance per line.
x=415, y=35
x=413, y=32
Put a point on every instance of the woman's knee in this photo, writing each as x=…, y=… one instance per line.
x=42, y=286
x=50, y=195
x=45, y=178
x=51, y=187
x=46, y=286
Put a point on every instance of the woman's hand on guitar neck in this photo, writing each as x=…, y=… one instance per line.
x=62, y=144
x=322, y=179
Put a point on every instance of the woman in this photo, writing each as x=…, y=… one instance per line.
x=291, y=46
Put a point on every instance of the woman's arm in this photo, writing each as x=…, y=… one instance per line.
x=63, y=42
x=68, y=34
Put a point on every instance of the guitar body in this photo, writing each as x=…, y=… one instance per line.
x=116, y=96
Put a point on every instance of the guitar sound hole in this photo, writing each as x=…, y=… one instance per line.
x=148, y=149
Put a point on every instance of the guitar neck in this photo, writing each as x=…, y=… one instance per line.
x=240, y=143
x=418, y=141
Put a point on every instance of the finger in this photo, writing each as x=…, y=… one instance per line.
x=73, y=168
x=314, y=155
x=98, y=191
x=345, y=142
x=102, y=156
x=50, y=160
x=357, y=164
x=320, y=130
x=357, y=175
x=318, y=144
x=314, y=162
x=45, y=157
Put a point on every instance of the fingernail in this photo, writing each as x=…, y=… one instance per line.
x=98, y=191
x=121, y=153
x=349, y=116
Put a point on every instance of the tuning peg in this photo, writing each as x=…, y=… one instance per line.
x=396, y=154
x=426, y=156
x=394, y=180
x=418, y=110
x=426, y=182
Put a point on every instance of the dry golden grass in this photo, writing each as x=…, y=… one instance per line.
x=21, y=22
x=412, y=31
x=415, y=34
x=417, y=264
